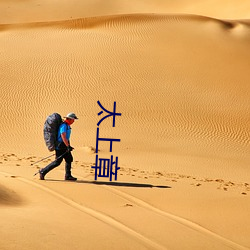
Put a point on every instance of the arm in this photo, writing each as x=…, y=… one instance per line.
x=66, y=142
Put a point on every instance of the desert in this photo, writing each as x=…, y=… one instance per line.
x=178, y=73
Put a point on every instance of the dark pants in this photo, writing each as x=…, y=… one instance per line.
x=67, y=156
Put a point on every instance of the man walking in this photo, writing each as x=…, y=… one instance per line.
x=63, y=150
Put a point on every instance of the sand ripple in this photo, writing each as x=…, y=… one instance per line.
x=180, y=81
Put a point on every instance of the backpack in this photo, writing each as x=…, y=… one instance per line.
x=50, y=130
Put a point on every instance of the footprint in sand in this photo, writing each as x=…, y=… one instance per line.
x=128, y=205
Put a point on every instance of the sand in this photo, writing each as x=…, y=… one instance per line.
x=178, y=73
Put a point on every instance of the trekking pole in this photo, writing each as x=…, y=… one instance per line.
x=42, y=159
x=48, y=157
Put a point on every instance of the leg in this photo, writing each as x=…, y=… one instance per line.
x=68, y=160
x=52, y=165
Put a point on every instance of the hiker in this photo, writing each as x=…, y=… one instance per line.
x=63, y=149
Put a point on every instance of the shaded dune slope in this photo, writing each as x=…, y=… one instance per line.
x=9, y=197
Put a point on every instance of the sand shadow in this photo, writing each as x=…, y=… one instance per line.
x=116, y=184
x=9, y=197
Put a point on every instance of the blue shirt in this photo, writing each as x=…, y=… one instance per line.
x=64, y=128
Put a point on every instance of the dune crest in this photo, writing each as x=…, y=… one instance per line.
x=49, y=10
x=110, y=20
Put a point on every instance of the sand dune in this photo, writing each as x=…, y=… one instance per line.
x=189, y=111
x=50, y=10
x=181, y=84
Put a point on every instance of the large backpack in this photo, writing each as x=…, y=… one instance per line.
x=50, y=130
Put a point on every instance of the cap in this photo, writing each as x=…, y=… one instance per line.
x=71, y=116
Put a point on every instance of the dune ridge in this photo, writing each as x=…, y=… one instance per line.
x=108, y=20
x=49, y=10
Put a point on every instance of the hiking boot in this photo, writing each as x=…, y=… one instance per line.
x=70, y=178
x=41, y=175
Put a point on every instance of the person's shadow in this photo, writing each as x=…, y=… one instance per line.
x=117, y=184
x=122, y=184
